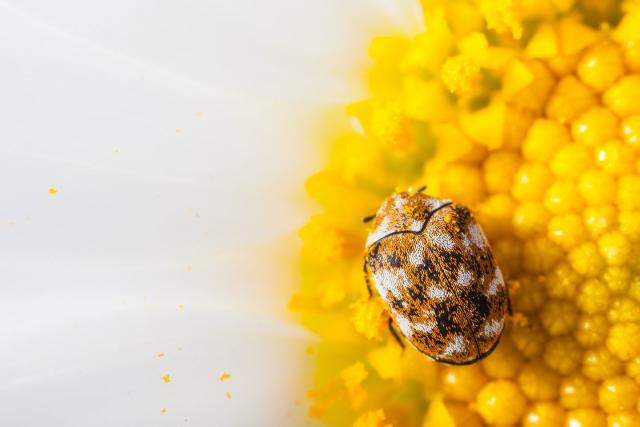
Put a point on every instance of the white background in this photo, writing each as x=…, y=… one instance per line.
x=178, y=134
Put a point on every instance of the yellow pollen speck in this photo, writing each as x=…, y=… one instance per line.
x=161, y=354
x=166, y=378
x=224, y=376
x=163, y=410
x=52, y=190
x=228, y=395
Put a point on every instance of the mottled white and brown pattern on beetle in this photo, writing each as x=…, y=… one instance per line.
x=432, y=265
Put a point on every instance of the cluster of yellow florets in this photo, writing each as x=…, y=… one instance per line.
x=528, y=112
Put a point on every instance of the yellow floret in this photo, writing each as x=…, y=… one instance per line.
x=352, y=377
x=387, y=360
x=599, y=363
x=504, y=363
x=615, y=248
x=544, y=138
x=618, y=394
x=563, y=355
x=563, y=198
x=595, y=126
x=618, y=279
x=495, y=215
x=425, y=100
x=558, y=317
x=370, y=318
x=571, y=160
x=567, y=231
x=324, y=242
x=503, y=16
x=529, y=340
x=616, y=158
x=624, y=340
x=628, y=192
x=463, y=183
x=485, y=126
x=540, y=255
x=563, y=282
x=593, y=297
x=460, y=73
x=632, y=368
x=634, y=288
x=586, y=417
x=586, y=259
x=501, y=403
x=578, y=391
x=601, y=66
x=531, y=183
x=372, y=419
x=631, y=51
x=622, y=97
x=463, y=382
x=592, y=330
x=570, y=99
x=538, y=382
x=630, y=131
x=530, y=219
x=629, y=223
x=597, y=187
x=530, y=295
x=499, y=170
x=623, y=419
x=599, y=219
x=390, y=126
x=545, y=414
x=624, y=309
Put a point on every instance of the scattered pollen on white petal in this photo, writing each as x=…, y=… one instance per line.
x=404, y=325
x=464, y=277
x=455, y=346
x=443, y=241
x=437, y=293
x=416, y=257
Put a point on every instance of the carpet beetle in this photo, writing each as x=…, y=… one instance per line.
x=431, y=264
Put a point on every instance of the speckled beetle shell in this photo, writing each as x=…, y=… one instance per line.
x=431, y=263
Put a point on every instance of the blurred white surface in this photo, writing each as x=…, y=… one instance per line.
x=178, y=135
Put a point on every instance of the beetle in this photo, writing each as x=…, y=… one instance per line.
x=432, y=265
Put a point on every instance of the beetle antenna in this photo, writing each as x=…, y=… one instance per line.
x=366, y=219
x=421, y=189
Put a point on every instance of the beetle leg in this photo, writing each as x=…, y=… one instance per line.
x=512, y=287
x=394, y=333
x=368, y=218
x=421, y=189
x=366, y=277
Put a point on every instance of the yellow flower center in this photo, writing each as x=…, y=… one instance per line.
x=528, y=113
